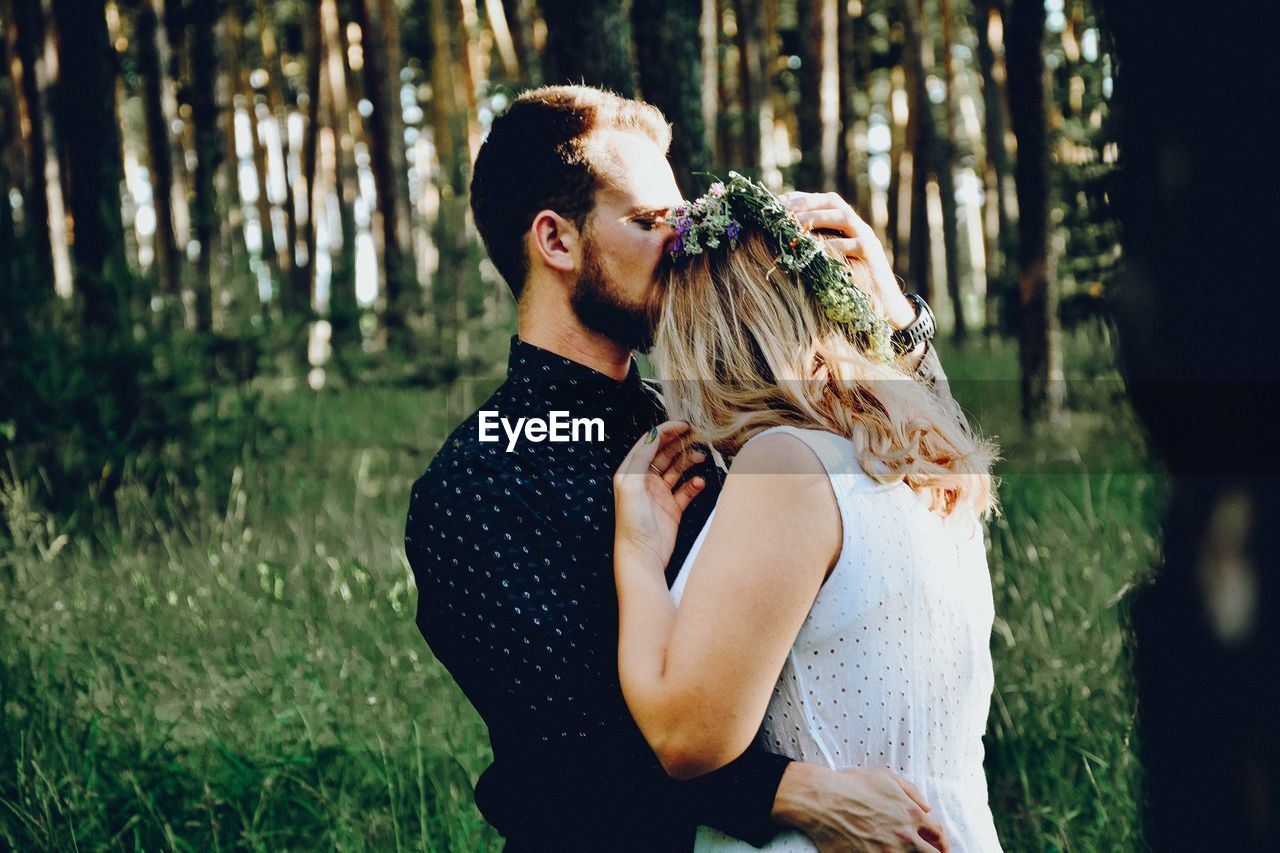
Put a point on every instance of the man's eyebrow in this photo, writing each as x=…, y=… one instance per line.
x=641, y=212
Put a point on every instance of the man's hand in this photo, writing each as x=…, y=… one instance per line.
x=863, y=809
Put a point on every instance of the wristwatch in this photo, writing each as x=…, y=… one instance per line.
x=921, y=329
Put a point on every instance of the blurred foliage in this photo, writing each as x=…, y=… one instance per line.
x=83, y=411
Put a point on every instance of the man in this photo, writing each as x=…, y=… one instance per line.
x=510, y=532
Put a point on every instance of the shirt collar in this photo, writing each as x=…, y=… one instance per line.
x=552, y=373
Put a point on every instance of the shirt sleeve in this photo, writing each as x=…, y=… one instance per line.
x=738, y=798
x=504, y=603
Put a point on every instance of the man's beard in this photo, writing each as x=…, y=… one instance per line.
x=602, y=309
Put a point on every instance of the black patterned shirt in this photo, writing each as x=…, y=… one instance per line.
x=512, y=551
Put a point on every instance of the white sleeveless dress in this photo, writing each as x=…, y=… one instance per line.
x=892, y=667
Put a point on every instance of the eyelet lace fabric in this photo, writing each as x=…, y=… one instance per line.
x=892, y=667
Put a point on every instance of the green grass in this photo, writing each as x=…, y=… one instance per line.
x=252, y=677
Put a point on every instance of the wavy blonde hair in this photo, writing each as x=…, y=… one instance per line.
x=743, y=345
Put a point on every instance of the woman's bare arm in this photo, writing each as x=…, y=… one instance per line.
x=698, y=679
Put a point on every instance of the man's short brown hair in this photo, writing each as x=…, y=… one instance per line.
x=536, y=158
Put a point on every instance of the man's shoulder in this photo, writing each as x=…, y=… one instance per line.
x=484, y=470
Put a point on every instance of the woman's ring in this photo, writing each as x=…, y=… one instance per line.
x=654, y=469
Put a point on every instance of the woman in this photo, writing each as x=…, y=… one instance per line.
x=839, y=593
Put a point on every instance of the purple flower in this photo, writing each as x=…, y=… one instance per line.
x=682, y=210
x=733, y=230
x=677, y=247
x=683, y=226
x=717, y=189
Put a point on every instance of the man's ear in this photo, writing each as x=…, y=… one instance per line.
x=555, y=240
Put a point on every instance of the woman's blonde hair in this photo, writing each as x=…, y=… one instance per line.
x=743, y=345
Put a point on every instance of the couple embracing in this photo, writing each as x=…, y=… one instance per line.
x=791, y=655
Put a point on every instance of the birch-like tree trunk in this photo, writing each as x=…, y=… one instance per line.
x=278, y=110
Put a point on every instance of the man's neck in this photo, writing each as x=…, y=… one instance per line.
x=555, y=328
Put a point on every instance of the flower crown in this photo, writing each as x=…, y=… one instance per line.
x=718, y=217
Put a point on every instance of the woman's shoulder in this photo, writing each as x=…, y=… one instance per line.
x=780, y=471
x=811, y=448
x=784, y=450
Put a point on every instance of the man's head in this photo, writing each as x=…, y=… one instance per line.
x=574, y=181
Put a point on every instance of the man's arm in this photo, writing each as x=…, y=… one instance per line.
x=861, y=809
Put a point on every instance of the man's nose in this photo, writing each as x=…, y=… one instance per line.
x=668, y=235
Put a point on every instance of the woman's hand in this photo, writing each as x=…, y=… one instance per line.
x=830, y=212
x=647, y=505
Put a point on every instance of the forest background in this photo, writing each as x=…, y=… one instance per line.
x=242, y=303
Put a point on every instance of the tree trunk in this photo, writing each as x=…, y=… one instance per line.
x=751, y=79
x=27, y=24
x=231, y=207
x=713, y=80
x=724, y=135
x=589, y=42
x=9, y=252
x=262, y=205
x=313, y=202
x=1037, y=298
x=502, y=40
x=87, y=120
x=1200, y=373
x=386, y=155
x=204, y=118
x=466, y=94
x=898, y=143
x=818, y=111
x=996, y=220
x=520, y=22
x=159, y=147
x=945, y=170
x=13, y=150
x=850, y=163
x=449, y=123
x=292, y=300
x=667, y=37
x=344, y=312
x=921, y=140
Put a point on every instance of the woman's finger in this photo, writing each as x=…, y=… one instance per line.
x=684, y=460
x=841, y=220
x=847, y=247
x=644, y=451
x=799, y=202
x=687, y=492
x=669, y=453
